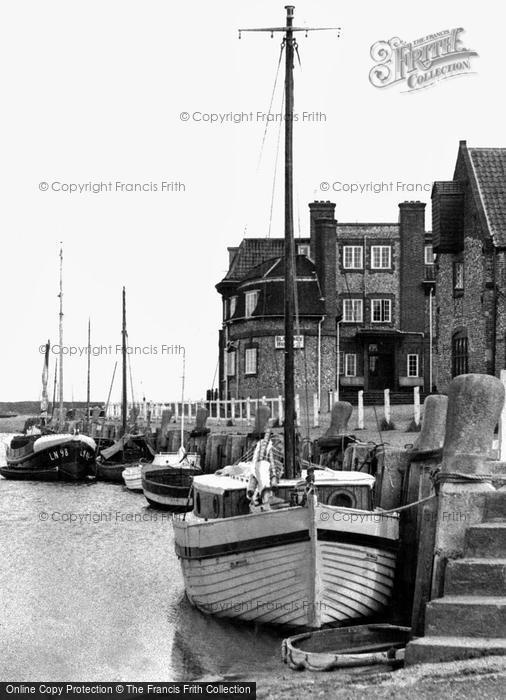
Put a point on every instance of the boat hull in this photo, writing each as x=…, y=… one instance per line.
x=132, y=478
x=169, y=487
x=50, y=458
x=110, y=472
x=300, y=567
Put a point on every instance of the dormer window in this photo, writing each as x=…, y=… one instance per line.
x=251, y=301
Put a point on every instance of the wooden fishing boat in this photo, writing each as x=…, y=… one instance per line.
x=124, y=453
x=132, y=478
x=360, y=645
x=167, y=481
x=50, y=457
x=303, y=566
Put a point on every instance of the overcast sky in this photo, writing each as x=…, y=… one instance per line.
x=93, y=91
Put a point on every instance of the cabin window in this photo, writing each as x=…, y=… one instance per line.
x=350, y=365
x=460, y=362
x=381, y=257
x=216, y=506
x=250, y=361
x=413, y=365
x=381, y=310
x=353, y=256
x=232, y=306
x=341, y=499
x=251, y=303
x=197, y=502
x=352, y=310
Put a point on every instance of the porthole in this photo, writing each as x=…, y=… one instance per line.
x=341, y=499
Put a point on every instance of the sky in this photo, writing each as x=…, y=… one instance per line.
x=123, y=92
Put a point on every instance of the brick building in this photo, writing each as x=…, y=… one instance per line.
x=363, y=293
x=469, y=228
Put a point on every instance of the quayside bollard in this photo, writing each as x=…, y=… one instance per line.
x=418, y=524
x=475, y=402
x=161, y=438
x=330, y=448
x=198, y=436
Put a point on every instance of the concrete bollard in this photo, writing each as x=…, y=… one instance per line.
x=238, y=448
x=161, y=443
x=339, y=419
x=261, y=419
x=432, y=434
x=331, y=447
x=475, y=402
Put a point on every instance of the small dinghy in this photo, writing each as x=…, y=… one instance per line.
x=360, y=645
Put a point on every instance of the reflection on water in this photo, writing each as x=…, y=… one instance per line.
x=102, y=597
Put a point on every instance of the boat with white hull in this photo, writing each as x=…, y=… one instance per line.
x=167, y=481
x=297, y=566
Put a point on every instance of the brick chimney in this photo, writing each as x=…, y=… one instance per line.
x=412, y=265
x=319, y=210
x=325, y=260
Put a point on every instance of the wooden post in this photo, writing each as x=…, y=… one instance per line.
x=360, y=410
x=502, y=425
x=416, y=397
x=280, y=409
x=176, y=409
x=297, y=410
x=387, y=405
x=232, y=409
x=248, y=409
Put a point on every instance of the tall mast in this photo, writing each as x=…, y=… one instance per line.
x=182, y=400
x=124, y=369
x=60, y=366
x=88, y=377
x=290, y=46
x=289, y=422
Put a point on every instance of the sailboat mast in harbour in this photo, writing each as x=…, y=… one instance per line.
x=60, y=367
x=88, y=375
x=124, y=369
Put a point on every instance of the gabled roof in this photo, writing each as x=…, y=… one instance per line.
x=489, y=171
x=252, y=252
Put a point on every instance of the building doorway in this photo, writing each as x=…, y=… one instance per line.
x=380, y=366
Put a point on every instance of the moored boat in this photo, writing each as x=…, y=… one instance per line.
x=132, y=478
x=300, y=566
x=50, y=457
x=167, y=481
x=345, y=647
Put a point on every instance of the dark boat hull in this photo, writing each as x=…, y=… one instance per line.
x=169, y=489
x=110, y=472
x=71, y=460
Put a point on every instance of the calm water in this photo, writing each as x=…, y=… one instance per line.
x=104, y=600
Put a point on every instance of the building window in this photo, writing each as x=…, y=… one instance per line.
x=350, y=365
x=381, y=310
x=429, y=255
x=250, y=361
x=459, y=353
x=458, y=277
x=340, y=363
x=303, y=250
x=279, y=341
x=251, y=302
x=230, y=360
x=381, y=257
x=353, y=257
x=232, y=305
x=352, y=310
x=413, y=365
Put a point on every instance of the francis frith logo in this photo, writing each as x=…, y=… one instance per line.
x=420, y=63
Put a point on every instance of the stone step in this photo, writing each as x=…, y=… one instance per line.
x=476, y=577
x=495, y=507
x=467, y=616
x=486, y=540
x=440, y=649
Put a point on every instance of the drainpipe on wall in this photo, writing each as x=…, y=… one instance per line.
x=320, y=363
x=494, y=309
x=430, y=340
x=338, y=351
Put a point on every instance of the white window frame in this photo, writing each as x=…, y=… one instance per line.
x=353, y=251
x=249, y=363
x=458, y=282
x=230, y=363
x=350, y=364
x=429, y=254
x=417, y=364
x=232, y=306
x=303, y=249
x=250, y=302
x=279, y=342
x=384, y=253
x=383, y=305
x=356, y=306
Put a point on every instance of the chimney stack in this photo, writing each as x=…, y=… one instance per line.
x=412, y=264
